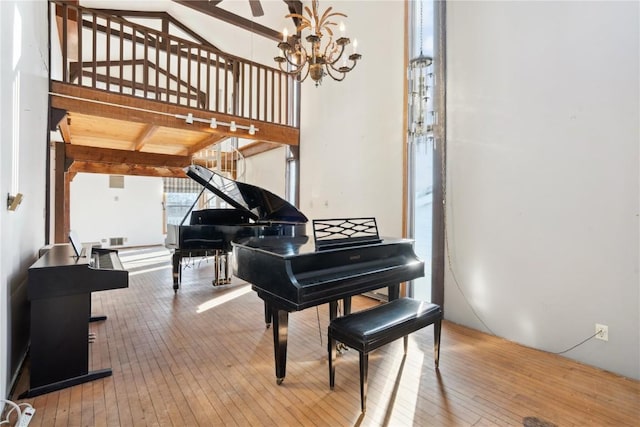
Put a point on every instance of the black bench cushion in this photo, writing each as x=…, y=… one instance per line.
x=376, y=326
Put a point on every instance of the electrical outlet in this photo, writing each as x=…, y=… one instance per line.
x=602, y=332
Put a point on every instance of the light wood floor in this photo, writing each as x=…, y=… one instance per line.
x=203, y=357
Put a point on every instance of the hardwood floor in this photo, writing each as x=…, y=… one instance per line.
x=203, y=357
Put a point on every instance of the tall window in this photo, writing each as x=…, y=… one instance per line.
x=420, y=138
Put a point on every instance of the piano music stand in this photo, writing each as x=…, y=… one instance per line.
x=340, y=232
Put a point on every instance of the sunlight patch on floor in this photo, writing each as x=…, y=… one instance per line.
x=219, y=300
x=147, y=270
x=403, y=387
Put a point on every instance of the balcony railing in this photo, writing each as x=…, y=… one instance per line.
x=109, y=53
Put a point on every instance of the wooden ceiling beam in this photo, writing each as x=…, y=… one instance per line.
x=65, y=130
x=207, y=142
x=83, y=153
x=211, y=9
x=146, y=133
x=127, y=169
x=257, y=147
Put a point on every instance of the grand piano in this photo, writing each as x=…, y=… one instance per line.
x=59, y=288
x=294, y=273
x=253, y=211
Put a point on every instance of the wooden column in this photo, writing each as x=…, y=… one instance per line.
x=62, y=190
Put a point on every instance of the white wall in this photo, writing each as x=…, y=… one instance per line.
x=268, y=170
x=351, y=133
x=543, y=174
x=133, y=212
x=23, y=146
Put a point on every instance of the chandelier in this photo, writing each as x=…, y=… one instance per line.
x=420, y=73
x=316, y=59
x=420, y=108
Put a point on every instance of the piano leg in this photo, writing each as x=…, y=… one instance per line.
x=177, y=271
x=347, y=305
x=280, y=331
x=394, y=291
x=333, y=310
x=267, y=314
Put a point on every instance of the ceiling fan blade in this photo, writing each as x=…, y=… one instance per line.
x=256, y=8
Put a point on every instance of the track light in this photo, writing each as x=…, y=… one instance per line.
x=214, y=123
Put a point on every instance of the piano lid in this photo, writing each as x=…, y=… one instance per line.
x=260, y=204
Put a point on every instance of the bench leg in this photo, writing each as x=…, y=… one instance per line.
x=332, y=357
x=364, y=368
x=437, y=327
x=406, y=343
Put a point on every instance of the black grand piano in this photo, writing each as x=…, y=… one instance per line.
x=294, y=273
x=254, y=212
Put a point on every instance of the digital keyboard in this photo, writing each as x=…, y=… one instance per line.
x=105, y=259
x=59, y=288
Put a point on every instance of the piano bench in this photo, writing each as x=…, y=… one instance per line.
x=372, y=328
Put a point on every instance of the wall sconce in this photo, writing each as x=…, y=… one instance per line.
x=14, y=201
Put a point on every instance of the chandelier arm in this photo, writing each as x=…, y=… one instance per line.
x=305, y=74
x=339, y=79
x=339, y=56
x=303, y=54
x=344, y=68
x=288, y=72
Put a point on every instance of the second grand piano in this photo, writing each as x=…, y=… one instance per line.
x=294, y=273
x=253, y=211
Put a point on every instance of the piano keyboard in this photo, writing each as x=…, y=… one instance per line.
x=106, y=260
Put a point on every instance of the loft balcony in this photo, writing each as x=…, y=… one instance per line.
x=121, y=93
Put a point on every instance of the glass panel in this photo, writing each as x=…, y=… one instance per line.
x=420, y=139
